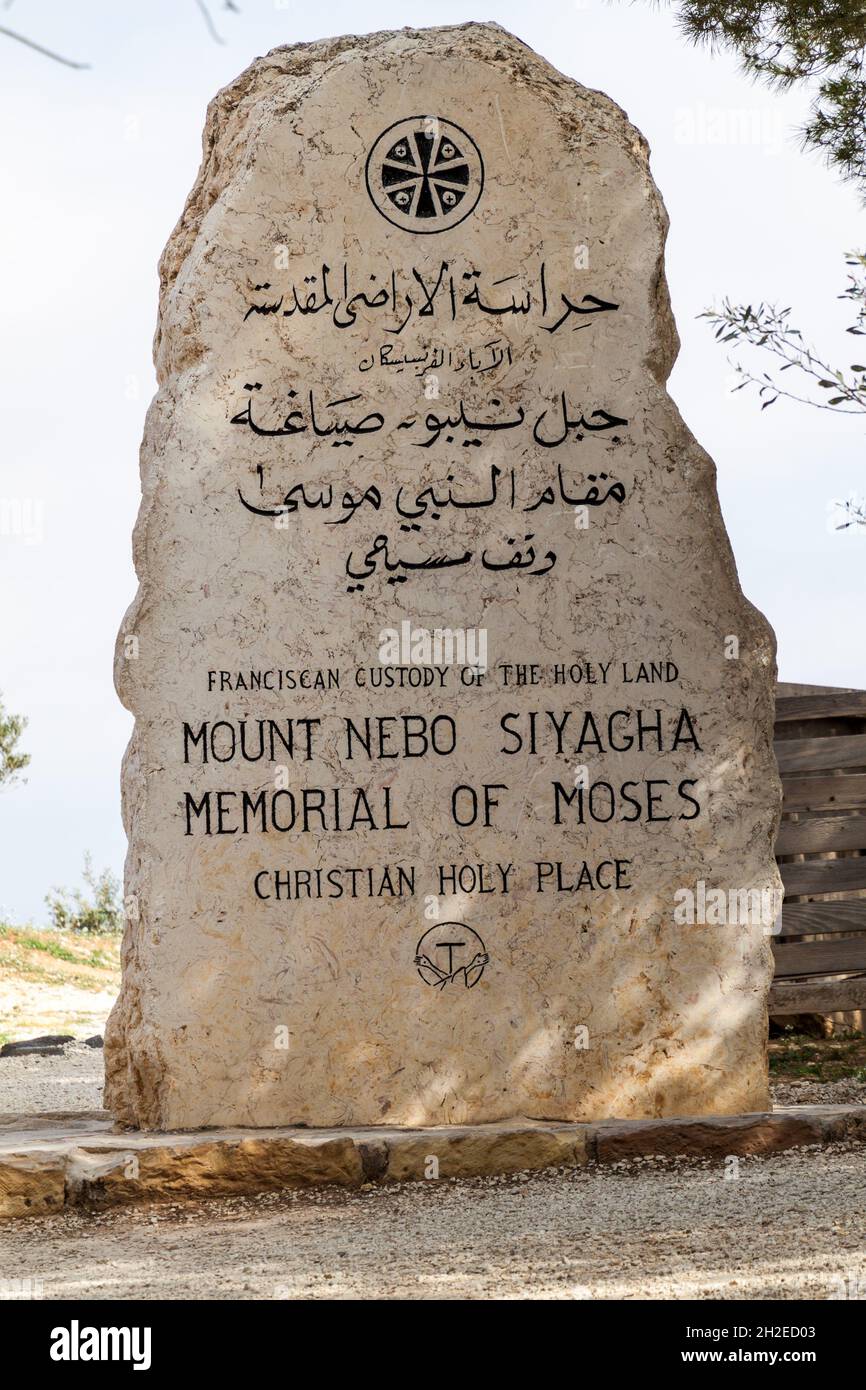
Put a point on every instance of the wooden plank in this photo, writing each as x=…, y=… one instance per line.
x=812, y=834
x=845, y=793
x=851, y=704
x=823, y=876
x=820, y=754
x=819, y=957
x=810, y=997
x=813, y=919
x=801, y=688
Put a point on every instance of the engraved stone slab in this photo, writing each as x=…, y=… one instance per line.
x=451, y=794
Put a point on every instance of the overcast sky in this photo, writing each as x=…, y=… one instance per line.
x=95, y=168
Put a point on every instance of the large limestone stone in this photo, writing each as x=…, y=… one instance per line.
x=415, y=312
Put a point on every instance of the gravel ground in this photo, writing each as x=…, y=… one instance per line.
x=34, y=1085
x=844, y=1092
x=73, y=1081
x=789, y=1227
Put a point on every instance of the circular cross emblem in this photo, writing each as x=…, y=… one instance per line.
x=451, y=954
x=425, y=174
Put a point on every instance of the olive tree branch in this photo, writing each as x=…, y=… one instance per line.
x=770, y=330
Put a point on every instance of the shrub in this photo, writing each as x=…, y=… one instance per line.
x=96, y=909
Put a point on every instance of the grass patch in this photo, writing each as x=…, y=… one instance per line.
x=95, y=952
x=38, y=943
x=796, y=1057
x=56, y=981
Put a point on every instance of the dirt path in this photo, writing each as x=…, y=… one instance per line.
x=789, y=1227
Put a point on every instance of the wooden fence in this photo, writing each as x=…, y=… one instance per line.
x=821, y=852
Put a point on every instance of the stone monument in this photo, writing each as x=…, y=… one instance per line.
x=451, y=795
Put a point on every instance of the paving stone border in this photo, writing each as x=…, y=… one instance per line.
x=52, y=1162
x=46, y=1045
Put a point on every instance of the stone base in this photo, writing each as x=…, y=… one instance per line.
x=50, y=1162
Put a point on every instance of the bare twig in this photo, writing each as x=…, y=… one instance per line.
x=209, y=22
x=38, y=48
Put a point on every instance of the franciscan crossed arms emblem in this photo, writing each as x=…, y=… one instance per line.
x=451, y=954
x=425, y=174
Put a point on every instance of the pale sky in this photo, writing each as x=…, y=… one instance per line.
x=96, y=165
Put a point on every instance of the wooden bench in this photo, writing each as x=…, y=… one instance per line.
x=820, y=742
